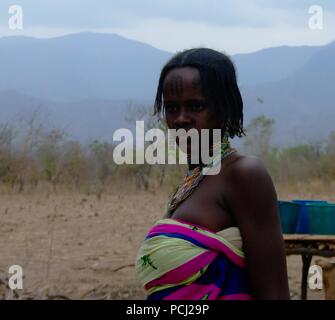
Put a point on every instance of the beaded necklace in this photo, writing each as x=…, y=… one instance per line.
x=195, y=176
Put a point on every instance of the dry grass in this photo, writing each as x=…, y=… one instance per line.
x=314, y=190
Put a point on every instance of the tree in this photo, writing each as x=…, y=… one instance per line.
x=73, y=164
x=259, y=134
x=330, y=145
x=144, y=171
x=101, y=160
x=50, y=154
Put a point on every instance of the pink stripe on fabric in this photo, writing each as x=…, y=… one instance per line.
x=236, y=296
x=206, y=240
x=195, y=292
x=184, y=271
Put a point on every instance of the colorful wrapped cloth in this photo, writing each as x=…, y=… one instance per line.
x=183, y=261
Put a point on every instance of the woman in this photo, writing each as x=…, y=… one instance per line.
x=221, y=235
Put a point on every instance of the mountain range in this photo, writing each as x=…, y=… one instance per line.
x=85, y=82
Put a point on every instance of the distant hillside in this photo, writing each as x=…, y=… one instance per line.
x=83, y=120
x=302, y=103
x=80, y=66
x=272, y=64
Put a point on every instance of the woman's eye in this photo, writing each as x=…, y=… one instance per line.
x=170, y=109
x=198, y=107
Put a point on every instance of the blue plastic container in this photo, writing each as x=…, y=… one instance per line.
x=289, y=215
x=303, y=223
x=321, y=218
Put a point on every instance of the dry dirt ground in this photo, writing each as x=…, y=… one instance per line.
x=74, y=246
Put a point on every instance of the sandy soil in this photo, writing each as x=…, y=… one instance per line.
x=79, y=247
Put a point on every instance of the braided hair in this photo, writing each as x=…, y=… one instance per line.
x=218, y=82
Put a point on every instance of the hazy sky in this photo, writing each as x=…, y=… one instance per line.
x=234, y=26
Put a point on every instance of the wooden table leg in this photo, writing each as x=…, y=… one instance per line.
x=306, y=262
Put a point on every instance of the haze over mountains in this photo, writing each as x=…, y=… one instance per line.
x=84, y=83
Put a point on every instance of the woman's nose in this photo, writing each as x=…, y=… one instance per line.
x=183, y=119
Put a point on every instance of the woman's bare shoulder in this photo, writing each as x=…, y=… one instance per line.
x=247, y=175
x=247, y=178
x=243, y=166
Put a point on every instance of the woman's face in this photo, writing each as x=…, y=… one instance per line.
x=185, y=105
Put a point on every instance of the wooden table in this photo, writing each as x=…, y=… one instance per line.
x=307, y=246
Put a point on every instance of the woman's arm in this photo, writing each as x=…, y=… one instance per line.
x=253, y=202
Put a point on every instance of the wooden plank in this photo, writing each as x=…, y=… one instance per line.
x=309, y=237
x=310, y=251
